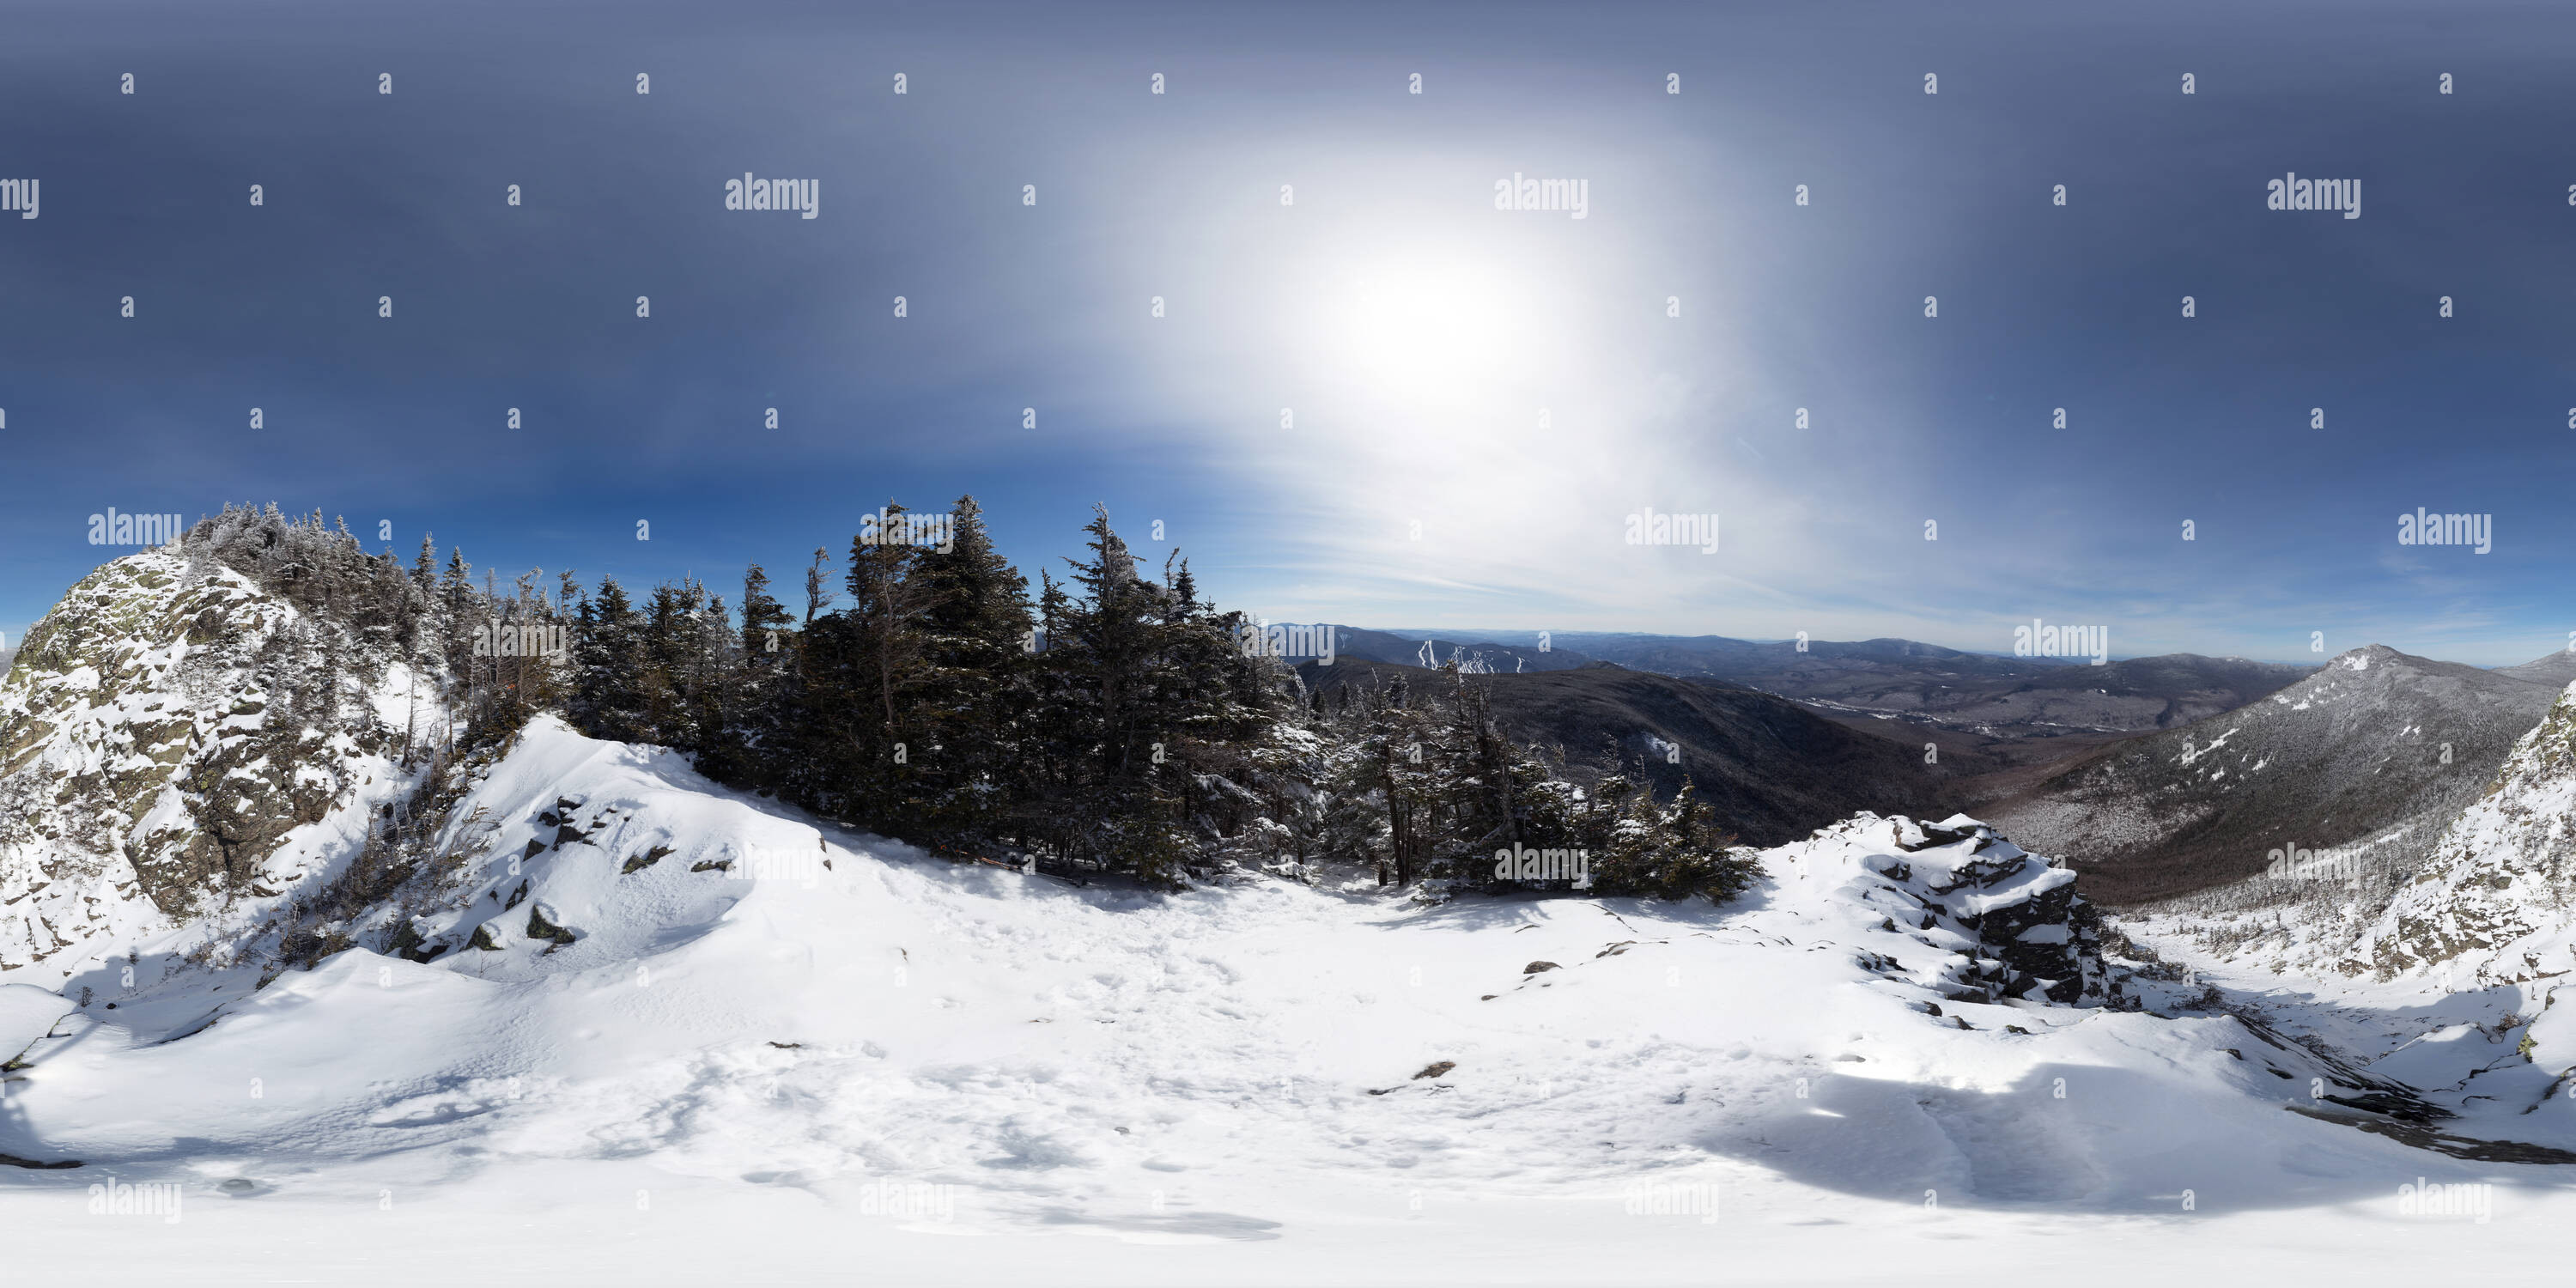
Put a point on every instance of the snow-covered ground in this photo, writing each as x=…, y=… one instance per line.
x=895, y=1069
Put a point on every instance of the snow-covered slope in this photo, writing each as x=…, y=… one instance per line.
x=2490, y=906
x=2494, y=903
x=2374, y=755
x=714, y=1028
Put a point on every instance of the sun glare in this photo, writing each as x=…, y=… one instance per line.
x=1440, y=330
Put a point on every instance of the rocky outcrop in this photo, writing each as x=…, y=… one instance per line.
x=2021, y=907
x=1989, y=920
x=181, y=713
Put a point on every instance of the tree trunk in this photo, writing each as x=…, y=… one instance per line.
x=1397, y=823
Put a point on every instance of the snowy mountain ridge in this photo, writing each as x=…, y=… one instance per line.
x=2486, y=909
x=2493, y=902
x=2378, y=749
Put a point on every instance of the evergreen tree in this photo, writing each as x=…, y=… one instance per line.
x=974, y=692
x=668, y=667
x=607, y=697
x=746, y=735
x=1138, y=685
x=763, y=618
x=889, y=602
x=868, y=663
x=457, y=612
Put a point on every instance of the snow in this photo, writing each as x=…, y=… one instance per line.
x=2191, y=753
x=2438, y=1059
x=901, y=1070
x=27, y=1013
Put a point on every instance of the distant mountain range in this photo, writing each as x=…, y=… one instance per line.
x=2003, y=697
x=1775, y=770
x=1432, y=652
x=2155, y=777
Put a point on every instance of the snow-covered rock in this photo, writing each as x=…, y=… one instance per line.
x=1992, y=920
x=179, y=739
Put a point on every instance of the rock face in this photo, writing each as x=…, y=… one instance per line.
x=1987, y=919
x=177, y=717
x=2495, y=896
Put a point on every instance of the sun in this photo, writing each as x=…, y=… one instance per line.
x=1427, y=329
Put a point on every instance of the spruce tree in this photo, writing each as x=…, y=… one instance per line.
x=607, y=699
x=885, y=663
x=1137, y=681
x=763, y=618
x=668, y=664
x=424, y=568
x=457, y=612
x=745, y=732
x=975, y=691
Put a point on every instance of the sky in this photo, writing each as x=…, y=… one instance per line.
x=1369, y=395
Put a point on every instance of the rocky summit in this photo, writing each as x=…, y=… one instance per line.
x=176, y=732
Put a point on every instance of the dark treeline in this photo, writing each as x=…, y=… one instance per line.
x=1108, y=721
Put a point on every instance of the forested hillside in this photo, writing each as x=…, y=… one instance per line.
x=1110, y=722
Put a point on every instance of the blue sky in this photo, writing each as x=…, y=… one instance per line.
x=1387, y=403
